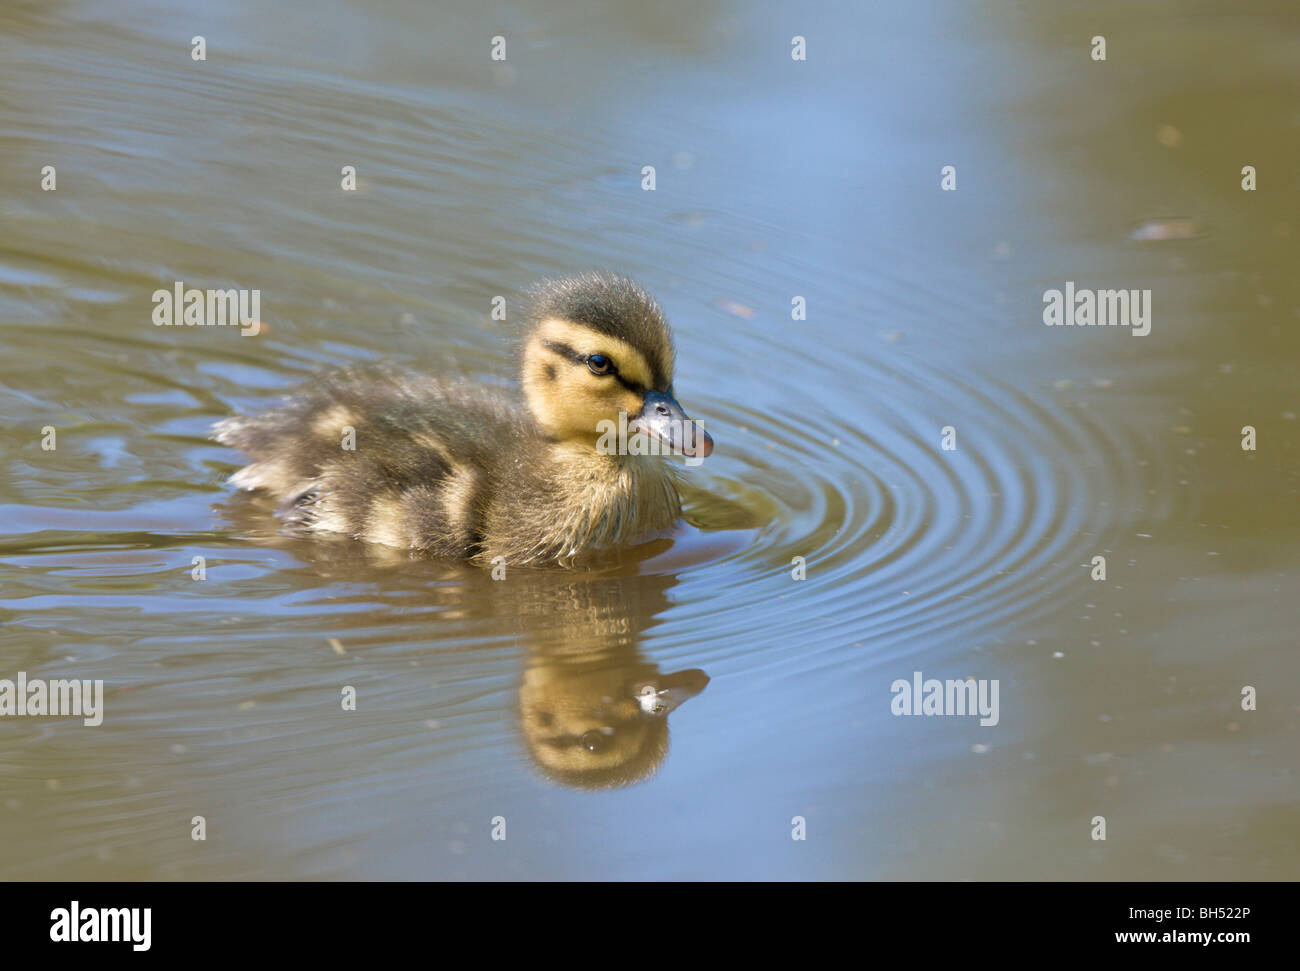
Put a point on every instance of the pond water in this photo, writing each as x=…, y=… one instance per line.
x=775, y=179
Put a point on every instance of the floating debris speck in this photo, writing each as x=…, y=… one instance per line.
x=739, y=309
x=1163, y=230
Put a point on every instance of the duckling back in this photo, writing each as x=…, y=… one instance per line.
x=383, y=456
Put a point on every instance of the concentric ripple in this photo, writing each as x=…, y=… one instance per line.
x=905, y=540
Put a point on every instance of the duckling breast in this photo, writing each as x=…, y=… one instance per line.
x=580, y=503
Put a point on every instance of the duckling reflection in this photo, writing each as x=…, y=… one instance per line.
x=592, y=709
x=588, y=724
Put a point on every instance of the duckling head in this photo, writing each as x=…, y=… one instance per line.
x=599, y=355
x=601, y=721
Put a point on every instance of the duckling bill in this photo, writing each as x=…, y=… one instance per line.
x=453, y=469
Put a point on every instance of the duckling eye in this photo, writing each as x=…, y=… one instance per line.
x=595, y=741
x=599, y=364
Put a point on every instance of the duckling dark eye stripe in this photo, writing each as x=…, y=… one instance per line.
x=564, y=350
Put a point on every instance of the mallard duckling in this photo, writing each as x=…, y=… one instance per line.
x=455, y=470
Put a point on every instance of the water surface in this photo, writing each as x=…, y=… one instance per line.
x=775, y=179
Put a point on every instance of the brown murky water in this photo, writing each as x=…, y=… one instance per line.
x=775, y=178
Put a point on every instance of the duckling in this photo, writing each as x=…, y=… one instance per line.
x=454, y=470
